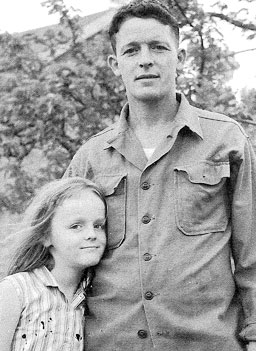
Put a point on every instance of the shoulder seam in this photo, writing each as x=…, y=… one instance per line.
x=227, y=119
x=102, y=132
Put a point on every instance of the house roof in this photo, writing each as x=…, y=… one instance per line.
x=98, y=23
x=90, y=25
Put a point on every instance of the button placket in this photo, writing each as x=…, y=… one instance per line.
x=146, y=221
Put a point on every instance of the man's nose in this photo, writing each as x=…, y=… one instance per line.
x=145, y=58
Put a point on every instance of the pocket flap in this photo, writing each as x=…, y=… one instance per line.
x=111, y=183
x=206, y=173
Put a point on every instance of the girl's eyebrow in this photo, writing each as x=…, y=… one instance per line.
x=101, y=220
x=79, y=218
x=75, y=219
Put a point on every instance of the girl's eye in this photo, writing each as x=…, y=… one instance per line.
x=100, y=226
x=76, y=226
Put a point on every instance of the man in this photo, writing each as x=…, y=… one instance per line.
x=180, y=184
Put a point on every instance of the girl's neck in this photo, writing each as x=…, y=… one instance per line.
x=67, y=281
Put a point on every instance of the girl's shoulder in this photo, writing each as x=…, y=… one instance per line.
x=25, y=284
x=18, y=283
x=24, y=278
x=11, y=307
x=18, y=279
x=16, y=276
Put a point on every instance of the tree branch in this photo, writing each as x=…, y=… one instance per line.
x=176, y=3
x=236, y=23
x=75, y=97
x=240, y=52
x=245, y=121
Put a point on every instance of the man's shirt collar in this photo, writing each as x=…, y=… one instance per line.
x=186, y=116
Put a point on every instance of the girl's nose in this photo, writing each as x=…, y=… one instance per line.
x=90, y=233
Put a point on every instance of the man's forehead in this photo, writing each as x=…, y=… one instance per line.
x=135, y=22
x=137, y=29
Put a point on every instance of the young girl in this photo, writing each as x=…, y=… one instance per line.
x=42, y=300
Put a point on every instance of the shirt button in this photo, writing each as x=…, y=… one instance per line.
x=146, y=219
x=145, y=186
x=149, y=295
x=142, y=334
x=147, y=257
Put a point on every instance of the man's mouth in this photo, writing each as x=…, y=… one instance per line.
x=89, y=247
x=147, y=76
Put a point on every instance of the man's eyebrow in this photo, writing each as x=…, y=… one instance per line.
x=131, y=43
x=156, y=41
x=153, y=41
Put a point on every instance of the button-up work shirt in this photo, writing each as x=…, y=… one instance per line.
x=167, y=280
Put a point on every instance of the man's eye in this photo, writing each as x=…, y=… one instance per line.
x=158, y=47
x=130, y=51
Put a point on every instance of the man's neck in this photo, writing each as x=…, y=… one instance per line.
x=151, y=121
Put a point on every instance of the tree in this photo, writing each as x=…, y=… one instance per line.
x=211, y=60
x=248, y=99
x=57, y=91
x=50, y=105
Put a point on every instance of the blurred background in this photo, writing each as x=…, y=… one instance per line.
x=56, y=89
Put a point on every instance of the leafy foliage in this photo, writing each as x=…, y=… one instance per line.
x=57, y=90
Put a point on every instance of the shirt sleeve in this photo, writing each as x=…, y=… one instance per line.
x=77, y=166
x=243, y=177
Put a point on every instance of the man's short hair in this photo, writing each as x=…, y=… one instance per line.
x=142, y=9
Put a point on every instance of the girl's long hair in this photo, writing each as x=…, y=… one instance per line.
x=31, y=252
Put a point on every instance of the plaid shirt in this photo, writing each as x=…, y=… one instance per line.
x=175, y=219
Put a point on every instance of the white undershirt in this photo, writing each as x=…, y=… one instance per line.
x=149, y=151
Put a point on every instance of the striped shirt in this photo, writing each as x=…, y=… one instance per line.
x=48, y=322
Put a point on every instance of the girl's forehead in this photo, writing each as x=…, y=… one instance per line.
x=81, y=197
x=86, y=204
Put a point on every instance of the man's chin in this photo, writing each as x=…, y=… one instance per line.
x=148, y=97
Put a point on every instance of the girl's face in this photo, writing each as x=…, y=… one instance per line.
x=78, y=237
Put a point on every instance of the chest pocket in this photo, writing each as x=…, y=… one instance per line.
x=201, y=204
x=114, y=187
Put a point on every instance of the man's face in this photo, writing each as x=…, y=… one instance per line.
x=147, y=57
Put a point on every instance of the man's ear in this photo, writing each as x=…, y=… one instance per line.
x=181, y=59
x=113, y=64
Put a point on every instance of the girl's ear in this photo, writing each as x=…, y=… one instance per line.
x=113, y=64
x=47, y=242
